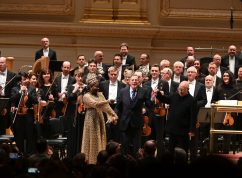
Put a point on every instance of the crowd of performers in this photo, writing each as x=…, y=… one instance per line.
x=125, y=102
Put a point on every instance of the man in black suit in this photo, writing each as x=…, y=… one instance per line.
x=166, y=75
x=178, y=72
x=127, y=59
x=157, y=120
x=82, y=65
x=232, y=61
x=111, y=90
x=130, y=109
x=217, y=60
x=117, y=62
x=181, y=121
x=46, y=50
x=212, y=70
x=197, y=90
x=7, y=82
x=101, y=67
x=62, y=82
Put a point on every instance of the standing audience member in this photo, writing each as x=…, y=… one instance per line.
x=46, y=50
x=129, y=107
x=94, y=132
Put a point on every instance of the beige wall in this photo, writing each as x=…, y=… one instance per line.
x=162, y=28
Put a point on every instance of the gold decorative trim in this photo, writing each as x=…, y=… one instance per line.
x=65, y=8
x=196, y=13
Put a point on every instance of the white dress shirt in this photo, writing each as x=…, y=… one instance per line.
x=209, y=93
x=113, y=89
x=3, y=78
x=192, y=85
x=154, y=83
x=231, y=63
x=46, y=52
x=64, y=82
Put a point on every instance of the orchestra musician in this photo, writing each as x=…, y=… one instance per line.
x=111, y=89
x=75, y=114
x=47, y=90
x=7, y=82
x=226, y=91
x=157, y=118
x=23, y=97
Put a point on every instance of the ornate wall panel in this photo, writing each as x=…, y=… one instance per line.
x=120, y=11
x=43, y=7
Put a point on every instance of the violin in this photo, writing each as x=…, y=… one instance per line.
x=22, y=109
x=146, y=127
x=81, y=107
x=159, y=108
x=228, y=119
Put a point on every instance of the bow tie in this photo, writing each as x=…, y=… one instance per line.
x=2, y=73
x=113, y=84
x=154, y=82
x=65, y=77
x=192, y=83
x=209, y=90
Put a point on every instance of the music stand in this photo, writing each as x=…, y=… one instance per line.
x=55, y=66
x=204, y=116
x=3, y=103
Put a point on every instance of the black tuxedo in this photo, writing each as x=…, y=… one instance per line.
x=173, y=87
x=51, y=55
x=131, y=118
x=182, y=78
x=111, y=130
x=157, y=121
x=5, y=120
x=238, y=63
x=130, y=60
x=59, y=105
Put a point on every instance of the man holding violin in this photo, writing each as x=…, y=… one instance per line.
x=157, y=115
x=23, y=97
x=7, y=82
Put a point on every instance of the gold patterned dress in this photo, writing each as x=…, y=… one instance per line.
x=94, y=132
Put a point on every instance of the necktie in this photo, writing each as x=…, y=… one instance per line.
x=133, y=94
